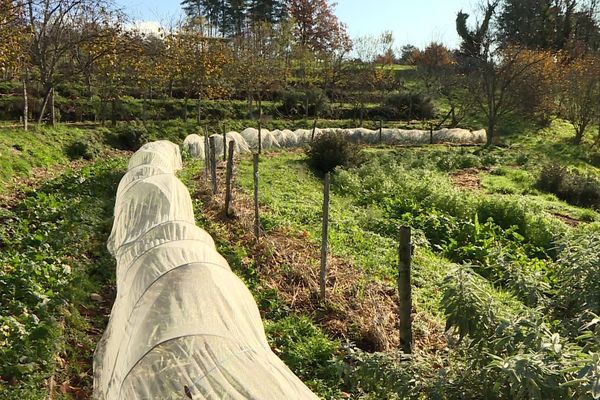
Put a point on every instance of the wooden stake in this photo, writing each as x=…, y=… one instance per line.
x=431, y=134
x=224, y=144
x=25, y=104
x=259, y=125
x=314, y=128
x=380, y=131
x=206, y=152
x=259, y=137
x=405, y=290
x=324, y=236
x=213, y=165
x=228, y=178
x=256, y=216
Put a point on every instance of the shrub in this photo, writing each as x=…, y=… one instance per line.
x=310, y=103
x=551, y=178
x=331, y=150
x=579, y=272
x=130, y=136
x=87, y=148
x=409, y=106
x=570, y=186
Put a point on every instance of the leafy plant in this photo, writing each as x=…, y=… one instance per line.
x=332, y=150
x=410, y=106
x=130, y=136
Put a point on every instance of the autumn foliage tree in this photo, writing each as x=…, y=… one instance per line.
x=14, y=59
x=437, y=66
x=493, y=70
x=580, y=93
x=11, y=32
x=57, y=27
x=120, y=62
x=196, y=62
x=316, y=26
x=260, y=64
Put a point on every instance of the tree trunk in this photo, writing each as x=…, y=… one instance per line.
x=199, y=114
x=25, y=104
x=454, y=121
x=52, y=109
x=88, y=81
x=113, y=113
x=146, y=104
x=44, y=104
x=490, y=132
x=579, y=131
x=259, y=125
x=362, y=114
x=250, y=107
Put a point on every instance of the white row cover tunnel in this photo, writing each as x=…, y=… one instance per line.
x=248, y=138
x=182, y=325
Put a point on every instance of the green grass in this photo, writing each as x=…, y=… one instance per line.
x=361, y=235
x=53, y=256
x=21, y=151
x=498, y=229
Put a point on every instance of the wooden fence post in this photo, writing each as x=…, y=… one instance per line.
x=314, y=128
x=404, y=290
x=431, y=134
x=259, y=129
x=256, y=216
x=324, y=236
x=206, y=152
x=224, y=144
x=380, y=131
x=213, y=165
x=259, y=138
x=228, y=178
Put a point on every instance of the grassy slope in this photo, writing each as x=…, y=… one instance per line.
x=294, y=197
x=54, y=256
x=21, y=152
x=52, y=249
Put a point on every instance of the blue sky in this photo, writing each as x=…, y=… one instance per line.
x=412, y=21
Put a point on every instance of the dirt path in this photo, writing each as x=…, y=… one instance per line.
x=467, y=178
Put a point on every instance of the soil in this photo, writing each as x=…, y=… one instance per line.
x=467, y=178
x=568, y=219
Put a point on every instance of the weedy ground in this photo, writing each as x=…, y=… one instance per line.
x=467, y=205
x=489, y=266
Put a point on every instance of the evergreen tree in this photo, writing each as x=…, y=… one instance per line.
x=272, y=11
x=536, y=24
x=550, y=24
x=213, y=11
x=235, y=17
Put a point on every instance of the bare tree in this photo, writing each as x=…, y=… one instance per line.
x=260, y=61
x=57, y=27
x=493, y=69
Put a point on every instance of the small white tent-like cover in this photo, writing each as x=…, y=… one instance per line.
x=194, y=145
x=302, y=137
x=182, y=325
